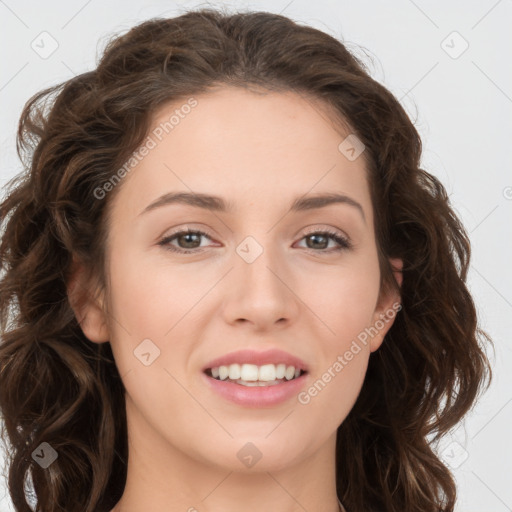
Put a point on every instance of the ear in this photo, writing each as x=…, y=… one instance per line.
x=89, y=310
x=387, y=308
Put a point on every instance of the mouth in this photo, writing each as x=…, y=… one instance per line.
x=251, y=375
x=252, y=386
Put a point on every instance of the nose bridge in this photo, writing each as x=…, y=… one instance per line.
x=257, y=290
x=258, y=264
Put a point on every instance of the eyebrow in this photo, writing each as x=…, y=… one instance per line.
x=219, y=204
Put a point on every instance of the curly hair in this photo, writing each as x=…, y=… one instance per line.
x=58, y=387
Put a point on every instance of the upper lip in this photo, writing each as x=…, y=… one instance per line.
x=259, y=358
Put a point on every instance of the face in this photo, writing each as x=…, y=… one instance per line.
x=257, y=275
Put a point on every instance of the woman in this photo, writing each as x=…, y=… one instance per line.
x=227, y=280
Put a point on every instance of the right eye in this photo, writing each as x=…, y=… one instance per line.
x=188, y=236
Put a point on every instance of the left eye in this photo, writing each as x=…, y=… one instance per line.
x=191, y=237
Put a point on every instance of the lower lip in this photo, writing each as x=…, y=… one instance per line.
x=256, y=396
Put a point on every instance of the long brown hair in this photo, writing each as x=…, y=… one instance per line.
x=59, y=388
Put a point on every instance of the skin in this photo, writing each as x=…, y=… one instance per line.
x=261, y=151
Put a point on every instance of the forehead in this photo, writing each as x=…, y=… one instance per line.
x=246, y=110
x=247, y=146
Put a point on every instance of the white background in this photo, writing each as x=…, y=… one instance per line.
x=461, y=106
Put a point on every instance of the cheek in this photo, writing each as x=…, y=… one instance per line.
x=149, y=298
x=345, y=351
x=344, y=297
x=156, y=302
x=335, y=384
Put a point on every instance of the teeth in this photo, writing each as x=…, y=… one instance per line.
x=235, y=372
x=290, y=373
x=253, y=375
x=267, y=372
x=223, y=372
x=248, y=372
x=258, y=383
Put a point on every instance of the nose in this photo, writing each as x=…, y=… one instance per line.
x=260, y=293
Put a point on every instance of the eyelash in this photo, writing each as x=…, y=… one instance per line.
x=344, y=243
